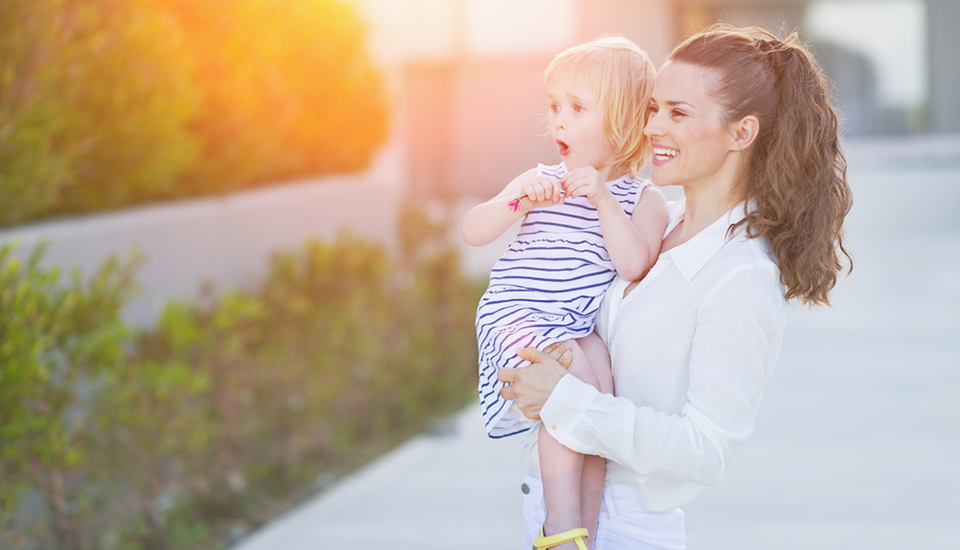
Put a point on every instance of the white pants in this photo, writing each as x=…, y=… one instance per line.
x=625, y=524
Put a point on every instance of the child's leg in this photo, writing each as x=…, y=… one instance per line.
x=594, y=467
x=573, y=483
x=561, y=474
x=597, y=358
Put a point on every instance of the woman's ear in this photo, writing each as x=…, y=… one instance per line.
x=746, y=131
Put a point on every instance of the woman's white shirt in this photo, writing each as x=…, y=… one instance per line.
x=692, y=347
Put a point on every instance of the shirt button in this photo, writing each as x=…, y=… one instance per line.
x=525, y=489
x=553, y=427
x=601, y=455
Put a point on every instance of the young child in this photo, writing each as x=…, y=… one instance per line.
x=584, y=221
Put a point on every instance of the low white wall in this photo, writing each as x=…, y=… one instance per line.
x=226, y=240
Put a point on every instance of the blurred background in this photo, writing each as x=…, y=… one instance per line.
x=892, y=63
x=231, y=276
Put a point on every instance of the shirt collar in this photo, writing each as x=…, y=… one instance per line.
x=691, y=256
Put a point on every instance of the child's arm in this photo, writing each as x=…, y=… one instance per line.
x=633, y=242
x=487, y=221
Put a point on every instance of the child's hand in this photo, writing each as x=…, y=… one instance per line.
x=541, y=191
x=586, y=182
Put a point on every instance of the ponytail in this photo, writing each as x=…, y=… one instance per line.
x=795, y=183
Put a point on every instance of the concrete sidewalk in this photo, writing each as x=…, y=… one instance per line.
x=453, y=489
x=856, y=446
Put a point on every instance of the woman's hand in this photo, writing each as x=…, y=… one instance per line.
x=533, y=384
x=562, y=352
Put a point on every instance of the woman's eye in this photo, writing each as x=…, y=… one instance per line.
x=678, y=113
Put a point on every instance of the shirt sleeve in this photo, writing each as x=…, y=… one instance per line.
x=737, y=339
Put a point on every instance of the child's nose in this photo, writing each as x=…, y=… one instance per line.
x=560, y=121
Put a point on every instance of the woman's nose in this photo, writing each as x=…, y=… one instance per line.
x=653, y=126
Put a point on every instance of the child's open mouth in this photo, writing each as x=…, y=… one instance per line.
x=562, y=148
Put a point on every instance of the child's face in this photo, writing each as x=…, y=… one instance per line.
x=576, y=122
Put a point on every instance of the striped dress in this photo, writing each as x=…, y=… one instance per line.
x=545, y=288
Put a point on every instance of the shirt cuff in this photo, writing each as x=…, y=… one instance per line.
x=565, y=409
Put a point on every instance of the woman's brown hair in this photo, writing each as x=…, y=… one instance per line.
x=796, y=181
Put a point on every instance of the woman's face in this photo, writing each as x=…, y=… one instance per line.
x=692, y=144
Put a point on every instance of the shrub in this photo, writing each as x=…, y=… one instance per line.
x=289, y=90
x=340, y=354
x=129, y=98
x=95, y=106
x=230, y=405
x=33, y=166
x=57, y=341
x=110, y=103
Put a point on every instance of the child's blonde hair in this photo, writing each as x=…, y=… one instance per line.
x=621, y=75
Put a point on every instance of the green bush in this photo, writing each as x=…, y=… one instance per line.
x=129, y=101
x=289, y=90
x=56, y=342
x=109, y=103
x=33, y=165
x=95, y=108
x=228, y=406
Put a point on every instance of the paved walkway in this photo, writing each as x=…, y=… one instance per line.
x=449, y=490
x=856, y=446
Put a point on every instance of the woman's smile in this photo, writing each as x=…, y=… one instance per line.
x=663, y=155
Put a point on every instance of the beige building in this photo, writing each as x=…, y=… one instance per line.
x=467, y=73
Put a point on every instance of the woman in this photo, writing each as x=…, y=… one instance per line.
x=742, y=122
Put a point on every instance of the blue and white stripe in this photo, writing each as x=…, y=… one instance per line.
x=545, y=288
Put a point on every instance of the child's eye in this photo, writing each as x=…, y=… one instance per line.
x=553, y=107
x=577, y=107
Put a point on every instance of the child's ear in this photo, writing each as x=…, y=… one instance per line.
x=746, y=131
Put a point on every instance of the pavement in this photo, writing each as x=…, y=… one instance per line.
x=857, y=440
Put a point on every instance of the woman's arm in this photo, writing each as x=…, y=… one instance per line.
x=737, y=338
x=487, y=221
